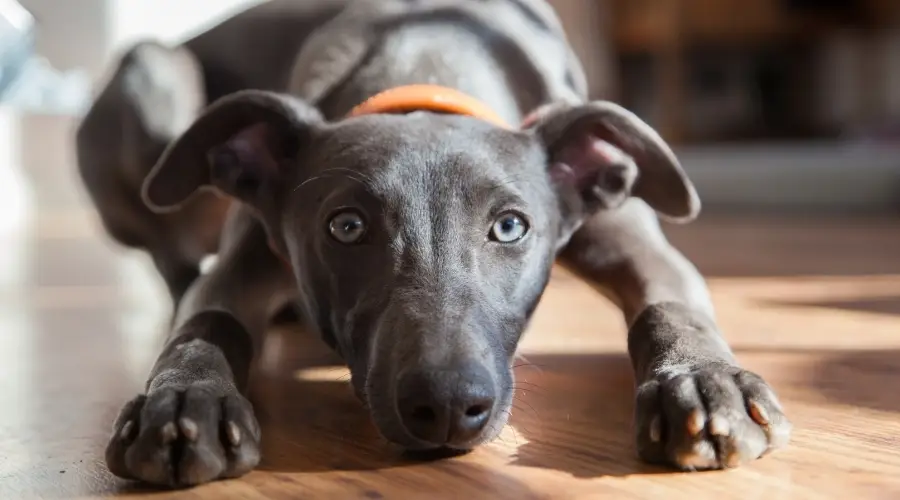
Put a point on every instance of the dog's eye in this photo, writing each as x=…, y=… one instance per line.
x=508, y=228
x=347, y=227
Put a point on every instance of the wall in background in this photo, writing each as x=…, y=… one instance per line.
x=861, y=78
x=167, y=20
x=586, y=23
x=88, y=33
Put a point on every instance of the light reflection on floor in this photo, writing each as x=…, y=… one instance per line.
x=60, y=277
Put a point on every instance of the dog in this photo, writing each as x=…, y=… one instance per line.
x=405, y=173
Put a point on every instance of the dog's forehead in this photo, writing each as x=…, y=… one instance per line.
x=422, y=132
x=401, y=152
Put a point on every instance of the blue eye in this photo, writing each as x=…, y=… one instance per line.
x=508, y=228
x=347, y=227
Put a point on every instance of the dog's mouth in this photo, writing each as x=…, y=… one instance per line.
x=425, y=450
x=434, y=454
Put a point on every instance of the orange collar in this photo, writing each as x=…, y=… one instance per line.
x=408, y=98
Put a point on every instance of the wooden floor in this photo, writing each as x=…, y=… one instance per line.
x=813, y=305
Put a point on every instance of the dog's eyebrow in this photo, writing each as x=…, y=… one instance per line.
x=360, y=178
x=498, y=196
x=506, y=189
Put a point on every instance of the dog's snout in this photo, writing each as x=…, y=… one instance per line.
x=446, y=407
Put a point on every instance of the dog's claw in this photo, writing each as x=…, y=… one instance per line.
x=718, y=426
x=234, y=433
x=758, y=413
x=732, y=460
x=127, y=430
x=695, y=422
x=193, y=436
x=168, y=433
x=188, y=428
x=711, y=419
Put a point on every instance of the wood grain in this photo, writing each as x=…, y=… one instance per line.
x=811, y=304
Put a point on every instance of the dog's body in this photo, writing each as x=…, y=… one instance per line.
x=154, y=93
x=418, y=245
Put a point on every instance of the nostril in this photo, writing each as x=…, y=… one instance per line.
x=423, y=414
x=424, y=418
x=470, y=419
x=476, y=411
x=447, y=406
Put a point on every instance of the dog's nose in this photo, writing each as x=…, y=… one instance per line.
x=446, y=407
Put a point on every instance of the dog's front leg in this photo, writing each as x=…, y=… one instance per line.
x=194, y=424
x=696, y=408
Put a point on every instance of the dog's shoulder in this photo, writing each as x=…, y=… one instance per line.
x=530, y=26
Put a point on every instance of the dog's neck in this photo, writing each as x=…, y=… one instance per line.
x=419, y=54
x=433, y=98
x=509, y=54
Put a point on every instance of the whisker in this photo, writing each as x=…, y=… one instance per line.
x=535, y=390
x=497, y=435
x=522, y=381
x=364, y=176
x=527, y=391
x=527, y=363
x=533, y=410
x=524, y=365
x=515, y=434
x=334, y=171
x=349, y=171
x=518, y=424
x=516, y=385
x=517, y=408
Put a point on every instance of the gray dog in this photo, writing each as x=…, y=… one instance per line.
x=418, y=243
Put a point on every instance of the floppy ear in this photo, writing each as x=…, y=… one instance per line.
x=600, y=154
x=242, y=144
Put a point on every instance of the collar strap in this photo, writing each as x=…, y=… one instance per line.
x=409, y=98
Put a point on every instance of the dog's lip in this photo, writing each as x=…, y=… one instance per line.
x=436, y=453
x=410, y=444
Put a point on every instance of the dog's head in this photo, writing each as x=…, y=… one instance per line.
x=422, y=243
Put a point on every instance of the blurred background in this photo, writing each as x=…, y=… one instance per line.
x=773, y=105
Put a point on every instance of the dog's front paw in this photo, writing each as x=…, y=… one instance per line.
x=711, y=418
x=178, y=438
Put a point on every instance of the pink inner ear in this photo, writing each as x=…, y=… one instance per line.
x=532, y=119
x=535, y=116
x=580, y=160
x=252, y=147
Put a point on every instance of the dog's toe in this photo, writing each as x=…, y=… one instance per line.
x=242, y=436
x=125, y=430
x=180, y=438
x=715, y=418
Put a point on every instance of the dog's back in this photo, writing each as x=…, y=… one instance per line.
x=255, y=48
x=470, y=45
